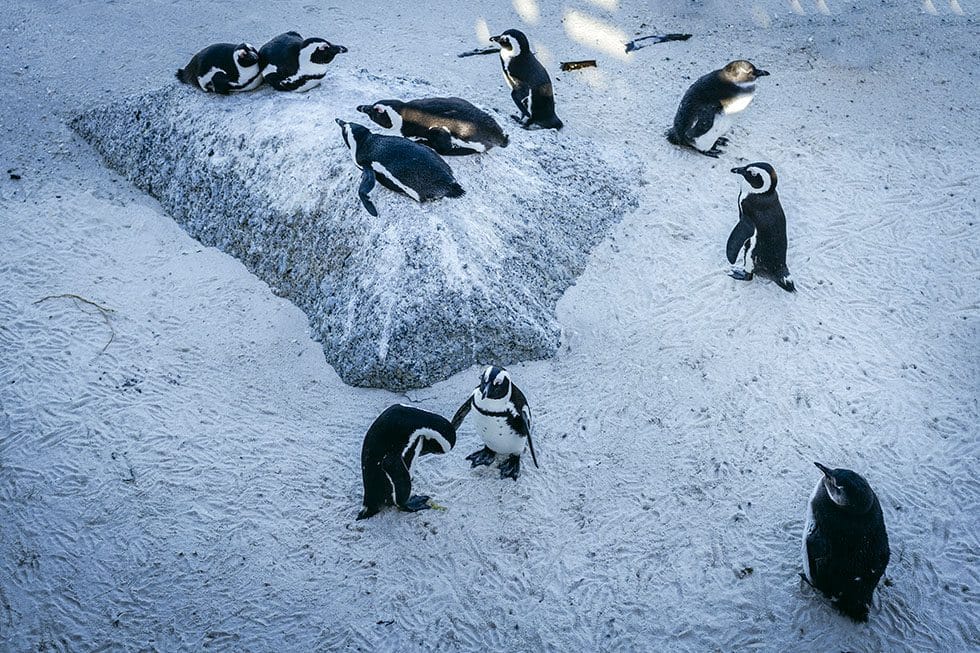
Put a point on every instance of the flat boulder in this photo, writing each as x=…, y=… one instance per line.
x=399, y=301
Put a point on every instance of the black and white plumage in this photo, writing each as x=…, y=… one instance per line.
x=502, y=418
x=223, y=68
x=396, y=438
x=760, y=235
x=705, y=112
x=449, y=125
x=291, y=63
x=530, y=85
x=402, y=165
x=845, y=546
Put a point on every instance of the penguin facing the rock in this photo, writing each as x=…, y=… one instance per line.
x=223, y=68
x=291, y=63
x=705, y=112
x=449, y=125
x=396, y=438
x=760, y=235
x=502, y=419
x=399, y=164
x=845, y=546
x=529, y=82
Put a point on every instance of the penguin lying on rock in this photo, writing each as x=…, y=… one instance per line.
x=223, y=68
x=291, y=63
x=402, y=165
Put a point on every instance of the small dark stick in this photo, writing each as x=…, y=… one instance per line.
x=578, y=65
x=660, y=38
x=473, y=53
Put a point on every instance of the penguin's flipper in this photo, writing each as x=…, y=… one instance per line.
x=740, y=235
x=525, y=427
x=457, y=419
x=817, y=552
x=364, y=190
x=394, y=467
x=439, y=140
x=740, y=275
x=703, y=121
x=522, y=97
x=220, y=83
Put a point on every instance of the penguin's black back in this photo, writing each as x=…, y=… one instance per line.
x=216, y=55
x=389, y=433
x=766, y=214
x=847, y=553
x=415, y=165
x=461, y=118
x=283, y=52
x=525, y=71
x=705, y=96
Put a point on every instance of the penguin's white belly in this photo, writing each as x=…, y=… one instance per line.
x=251, y=73
x=737, y=103
x=498, y=435
x=808, y=527
x=308, y=84
x=718, y=129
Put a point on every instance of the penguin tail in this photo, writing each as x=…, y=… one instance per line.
x=455, y=190
x=504, y=140
x=181, y=76
x=672, y=137
x=852, y=607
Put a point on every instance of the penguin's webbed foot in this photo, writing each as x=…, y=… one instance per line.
x=511, y=468
x=416, y=503
x=721, y=142
x=740, y=275
x=484, y=456
x=714, y=152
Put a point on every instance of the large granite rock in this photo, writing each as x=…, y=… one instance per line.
x=399, y=301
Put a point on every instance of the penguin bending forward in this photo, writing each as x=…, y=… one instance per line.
x=291, y=63
x=704, y=115
x=402, y=165
x=502, y=419
x=845, y=546
x=396, y=438
x=761, y=229
x=449, y=125
x=223, y=68
x=529, y=82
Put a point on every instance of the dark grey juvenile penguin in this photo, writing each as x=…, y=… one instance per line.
x=449, y=125
x=502, y=419
x=704, y=115
x=761, y=228
x=396, y=438
x=529, y=82
x=402, y=165
x=845, y=546
x=291, y=63
x=223, y=68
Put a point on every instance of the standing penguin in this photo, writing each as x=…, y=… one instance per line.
x=291, y=63
x=503, y=420
x=530, y=85
x=449, y=125
x=845, y=546
x=223, y=68
x=402, y=165
x=761, y=228
x=396, y=438
x=704, y=115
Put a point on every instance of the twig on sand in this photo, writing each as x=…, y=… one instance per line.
x=473, y=53
x=103, y=311
x=577, y=65
x=660, y=38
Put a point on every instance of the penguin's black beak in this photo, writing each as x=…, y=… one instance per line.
x=495, y=39
x=363, y=108
x=340, y=49
x=340, y=122
x=826, y=470
x=761, y=73
x=738, y=171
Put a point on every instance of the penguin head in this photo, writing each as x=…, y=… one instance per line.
x=759, y=177
x=741, y=71
x=495, y=383
x=246, y=56
x=353, y=133
x=321, y=51
x=435, y=442
x=847, y=489
x=512, y=43
x=386, y=113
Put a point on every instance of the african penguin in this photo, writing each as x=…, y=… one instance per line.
x=223, y=68
x=449, y=125
x=761, y=228
x=530, y=85
x=402, y=165
x=704, y=114
x=396, y=438
x=845, y=546
x=291, y=63
x=503, y=420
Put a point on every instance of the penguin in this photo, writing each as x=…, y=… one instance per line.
x=845, y=546
x=503, y=420
x=395, y=439
x=291, y=63
x=402, y=165
x=530, y=85
x=704, y=115
x=449, y=125
x=223, y=68
x=761, y=228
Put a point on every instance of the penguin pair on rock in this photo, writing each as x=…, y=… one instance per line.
x=401, y=434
